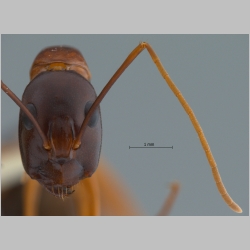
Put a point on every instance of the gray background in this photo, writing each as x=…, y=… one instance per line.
x=212, y=73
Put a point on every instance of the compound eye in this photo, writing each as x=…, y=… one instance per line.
x=94, y=118
x=26, y=121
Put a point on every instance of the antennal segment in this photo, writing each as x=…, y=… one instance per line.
x=27, y=112
x=185, y=105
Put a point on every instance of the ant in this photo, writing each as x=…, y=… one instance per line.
x=60, y=128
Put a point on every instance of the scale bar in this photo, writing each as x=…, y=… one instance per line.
x=150, y=147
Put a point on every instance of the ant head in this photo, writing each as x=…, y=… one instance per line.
x=57, y=100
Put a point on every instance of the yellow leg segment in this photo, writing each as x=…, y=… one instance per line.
x=31, y=197
x=87, y=197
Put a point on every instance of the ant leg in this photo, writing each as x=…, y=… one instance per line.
x=31, y=197
x=168, y=204
x=87, y=197
x=116, y=200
